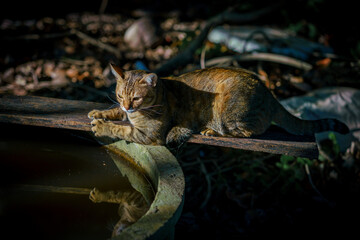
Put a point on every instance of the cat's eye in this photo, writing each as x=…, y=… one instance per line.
x=120, y=97
x=136, y=98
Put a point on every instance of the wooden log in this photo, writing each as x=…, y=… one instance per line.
x=47, y=112
x=270, y=142
x=71, y=114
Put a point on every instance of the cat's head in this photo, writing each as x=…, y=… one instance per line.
x=135, y=90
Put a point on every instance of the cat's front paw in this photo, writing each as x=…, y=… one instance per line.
x=95, y=114
x=95, y=195
x=101, y=128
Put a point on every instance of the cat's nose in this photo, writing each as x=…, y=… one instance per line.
x=129, y=109
x=126, y=105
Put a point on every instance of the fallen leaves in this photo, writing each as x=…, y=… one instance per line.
x=82, y=46
x=32, y=76
x=47, y=74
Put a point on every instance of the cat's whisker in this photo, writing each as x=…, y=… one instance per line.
x=146, y=113
x=114, y=105
x=158, y=105
x=247, y=108
x=110, y=226
x=114, y=101
x=149, y=111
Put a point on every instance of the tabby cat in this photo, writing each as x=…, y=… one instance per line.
x=227, y=102
x=132, y=206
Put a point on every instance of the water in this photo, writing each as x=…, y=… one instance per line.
x=32, y=159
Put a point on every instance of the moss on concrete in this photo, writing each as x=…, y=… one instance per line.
x=159, y=166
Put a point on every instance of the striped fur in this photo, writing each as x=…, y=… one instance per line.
x=228, y=102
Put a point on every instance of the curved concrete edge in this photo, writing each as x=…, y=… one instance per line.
x=165, y=173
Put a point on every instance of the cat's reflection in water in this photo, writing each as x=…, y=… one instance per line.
x=132, y=206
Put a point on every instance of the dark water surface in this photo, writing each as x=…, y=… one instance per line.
x=50, y=157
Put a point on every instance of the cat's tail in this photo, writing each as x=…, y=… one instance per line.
x=299, y=126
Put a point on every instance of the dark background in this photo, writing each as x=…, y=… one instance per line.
x=287, y=209
x=339, y=19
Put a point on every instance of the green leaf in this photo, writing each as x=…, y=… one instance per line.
x=333, y=139
x=279, y=165
x=321, y=158
x=304, y=161
x=312, y=31
x=284, y=162
x=286, y=158
x=300, y=160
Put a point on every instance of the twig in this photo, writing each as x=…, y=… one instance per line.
x=73, y=61
x=189, y=164
x=325, y=155
x=307, y=171
x=208, y=181
x=103, y=6
x=270, y=57
x=221, y=171
x=227, y=16
x=202, y=58
x=96, y=42
x=90, y=89
x=73, y=31
x=32, y=87
x=35, y=78
x=38, y=36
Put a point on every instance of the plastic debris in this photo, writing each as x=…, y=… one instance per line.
x=341, y=103
x=139, y=65
x=142, y=34
x=263, y=39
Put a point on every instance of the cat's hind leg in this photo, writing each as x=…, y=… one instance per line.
x=210, y=132
x=178, y=135
x=240, y=132
x=249, y=129
x=248, y=126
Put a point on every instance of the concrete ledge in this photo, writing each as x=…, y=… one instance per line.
x=166, y=176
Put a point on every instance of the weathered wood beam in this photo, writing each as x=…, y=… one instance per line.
x=46, y=112
x=71, y=114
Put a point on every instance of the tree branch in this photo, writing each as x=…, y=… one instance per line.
x=227, y=16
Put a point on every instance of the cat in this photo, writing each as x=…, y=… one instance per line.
x=132, y=206
x=227, y=102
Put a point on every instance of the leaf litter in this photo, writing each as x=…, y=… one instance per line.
x=232, y=192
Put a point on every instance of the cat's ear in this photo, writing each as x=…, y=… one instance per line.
x=150, y=80
x=117, y=71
